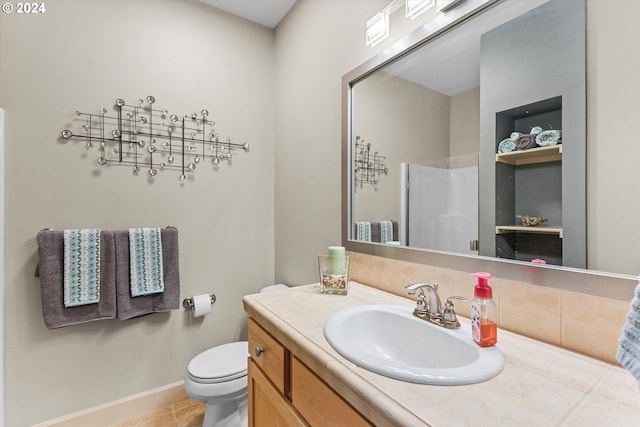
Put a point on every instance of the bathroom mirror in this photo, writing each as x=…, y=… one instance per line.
x=419, y=109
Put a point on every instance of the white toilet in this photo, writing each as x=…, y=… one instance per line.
x=218, y=377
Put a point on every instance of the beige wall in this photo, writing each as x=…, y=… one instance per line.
x=317, y=43
x=465, y=123
x=385, y=104
x=612, y=148
x=83, y=55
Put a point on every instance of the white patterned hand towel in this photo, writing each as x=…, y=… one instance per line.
x=363, y=231
x=386, y=231
x=629, y=345
x=145, y=258
x=81, y=267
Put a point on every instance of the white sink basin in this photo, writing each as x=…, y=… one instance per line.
x=390, y=340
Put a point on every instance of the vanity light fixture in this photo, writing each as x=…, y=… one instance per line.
x=377, y=28
x=378, y=24
x=444, y=5
x=415, y=8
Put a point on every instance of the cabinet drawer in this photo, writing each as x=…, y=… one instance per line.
x=270, y=355
x=318, y=403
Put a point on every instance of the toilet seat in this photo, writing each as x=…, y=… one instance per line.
x=219, y=364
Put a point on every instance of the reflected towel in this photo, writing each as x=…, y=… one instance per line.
x=81, y=267
x=536, y=130
x=51, y=272
x=506, y=146
x=145, y=261
x=386, y=231
x=363, y=231
x=549, y=137
x=526, y=142
x=128, y=306
x=629, y=344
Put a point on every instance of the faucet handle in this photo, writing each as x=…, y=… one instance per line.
x=448, y=315
x=421, y=304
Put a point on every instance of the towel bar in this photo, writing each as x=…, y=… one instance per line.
x=187, y=303
x=52, y=229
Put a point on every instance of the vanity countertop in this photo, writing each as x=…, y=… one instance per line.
x=541, y=385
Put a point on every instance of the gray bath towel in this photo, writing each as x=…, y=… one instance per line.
x=128, y=306
x=51, y=271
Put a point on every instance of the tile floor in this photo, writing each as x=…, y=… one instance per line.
x=187, y=413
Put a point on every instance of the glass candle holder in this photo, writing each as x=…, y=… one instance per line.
x=334, y=274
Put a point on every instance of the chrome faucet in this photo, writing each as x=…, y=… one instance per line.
x=432, y=311
x=434, y=308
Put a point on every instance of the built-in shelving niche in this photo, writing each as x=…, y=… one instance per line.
x=529, y=183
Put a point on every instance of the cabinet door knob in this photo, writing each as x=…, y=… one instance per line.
x=258, y=351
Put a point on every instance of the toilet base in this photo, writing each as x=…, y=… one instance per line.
x=228, y=413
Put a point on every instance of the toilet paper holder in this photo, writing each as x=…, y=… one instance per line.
x=187, y=303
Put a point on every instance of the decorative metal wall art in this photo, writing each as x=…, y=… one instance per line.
x=144, y=137
x=368, y=167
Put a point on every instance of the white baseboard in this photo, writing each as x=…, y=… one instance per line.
x=122, y=409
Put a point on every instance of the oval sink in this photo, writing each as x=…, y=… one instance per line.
x=390, y=340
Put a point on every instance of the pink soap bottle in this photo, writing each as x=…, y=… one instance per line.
x=483, y=312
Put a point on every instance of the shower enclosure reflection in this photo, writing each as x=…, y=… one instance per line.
x=440, y=207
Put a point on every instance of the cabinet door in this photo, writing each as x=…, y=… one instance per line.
x=318, y=403
x=267, y=407
x=270, y=355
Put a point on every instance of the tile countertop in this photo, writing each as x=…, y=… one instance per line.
x=541, y=385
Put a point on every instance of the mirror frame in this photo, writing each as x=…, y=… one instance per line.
x=590, y=282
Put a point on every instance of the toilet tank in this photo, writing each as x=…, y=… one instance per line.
x=272, y=288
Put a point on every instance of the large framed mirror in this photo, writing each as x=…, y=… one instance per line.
x=465, y=146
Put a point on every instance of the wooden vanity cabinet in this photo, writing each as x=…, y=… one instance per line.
x=267, y=407
x=285, y=392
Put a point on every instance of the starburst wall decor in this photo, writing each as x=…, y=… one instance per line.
x=152, y=140
x=368, y=166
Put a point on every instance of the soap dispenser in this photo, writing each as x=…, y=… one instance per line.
x=483, y=312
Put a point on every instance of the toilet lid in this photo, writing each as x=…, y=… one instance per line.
x=218, y=364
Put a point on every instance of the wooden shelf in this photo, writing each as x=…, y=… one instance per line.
x=550, y=153
x=501, y=229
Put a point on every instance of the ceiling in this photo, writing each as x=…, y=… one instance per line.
x=450, y=64
x=265, y=12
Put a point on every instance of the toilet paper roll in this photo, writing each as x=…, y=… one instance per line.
x=201, y=305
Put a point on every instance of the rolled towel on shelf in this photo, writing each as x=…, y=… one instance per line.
x=549, y=137
x=514, y=136
x=526, y=142
x=536, y=130
x=506, y=146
